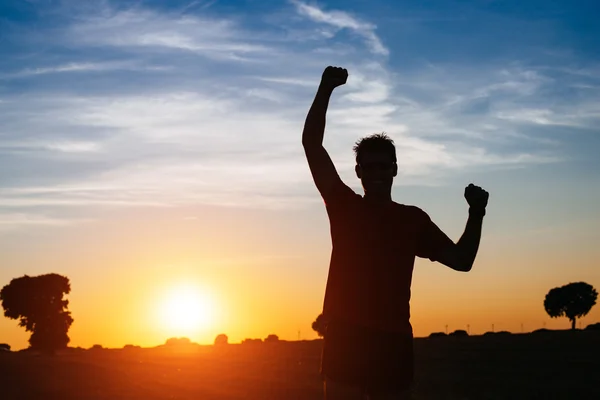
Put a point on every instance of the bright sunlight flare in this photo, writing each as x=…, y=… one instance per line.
x=186, y=310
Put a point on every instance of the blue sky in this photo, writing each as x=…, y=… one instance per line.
x=98, y=98
x=119, y=115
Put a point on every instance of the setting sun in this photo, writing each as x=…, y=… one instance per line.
x=185, y=310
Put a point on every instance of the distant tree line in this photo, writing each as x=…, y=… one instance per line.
x=573, y=301
x=272, y=338
x=38, y=303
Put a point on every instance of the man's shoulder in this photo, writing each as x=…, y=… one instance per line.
x=411, y=210
x=340, y=195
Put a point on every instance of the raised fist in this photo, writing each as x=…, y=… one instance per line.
x=334, y=77
x=476, y=197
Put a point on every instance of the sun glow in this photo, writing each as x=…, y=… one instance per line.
x=186, y=310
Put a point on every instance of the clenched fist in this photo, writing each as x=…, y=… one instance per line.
x=477, y=198
x=334, y=77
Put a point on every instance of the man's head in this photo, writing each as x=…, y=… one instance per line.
x=376, y=163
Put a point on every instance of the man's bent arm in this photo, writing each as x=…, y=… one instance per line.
x=468, y=244
x=462, y=255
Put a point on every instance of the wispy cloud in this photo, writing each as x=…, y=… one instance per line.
x=343, y=20
x=214, y=129
x=570, y=117
x=74, y=147
x=52, y=145
x=85, y=67
x=139, y=28
x=289, y=81
x=184, y=148
x=14, y=221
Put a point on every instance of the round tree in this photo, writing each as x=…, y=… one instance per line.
x=572, y=301
x=319, y=325
x=37, y=302
x=271, y=339
x=221, y=339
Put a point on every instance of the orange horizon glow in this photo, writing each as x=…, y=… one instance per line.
x=151, y=152
x=185, y=310
x=265, y=273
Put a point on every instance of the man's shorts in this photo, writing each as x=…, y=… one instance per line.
x=374, y=360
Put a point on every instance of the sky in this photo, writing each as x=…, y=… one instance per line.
x=150, y=146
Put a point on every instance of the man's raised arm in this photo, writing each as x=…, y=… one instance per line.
x=321, y=167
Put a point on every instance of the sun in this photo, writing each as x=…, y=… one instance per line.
x=186, y=310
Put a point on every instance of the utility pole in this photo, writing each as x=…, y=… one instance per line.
x=468, y=329
x=492, y=327
x=521, y=327
x=446, y=329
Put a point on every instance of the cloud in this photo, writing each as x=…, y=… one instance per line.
x=139, y=28
x=58, y=146
x=569, y=117
x=289, y=81
x=370, y=84
x=74, y=147
x=85, y=67
x=213, y=130
x=14, y=221
x=343, y=20
x=186, y=148
x=490, y=104
x=173, y=148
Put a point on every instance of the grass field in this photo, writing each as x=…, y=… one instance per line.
x=552, y=365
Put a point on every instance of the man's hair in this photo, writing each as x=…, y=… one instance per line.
x=376, y=143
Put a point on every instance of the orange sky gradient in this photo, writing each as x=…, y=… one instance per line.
x=265, y=271
x=149, y=145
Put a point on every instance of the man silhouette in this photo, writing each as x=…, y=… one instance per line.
x=368, y=346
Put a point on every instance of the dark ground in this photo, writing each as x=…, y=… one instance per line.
x=552, y=365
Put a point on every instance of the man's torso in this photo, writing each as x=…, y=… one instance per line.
x=374, y=248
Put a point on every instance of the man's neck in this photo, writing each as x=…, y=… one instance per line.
x=378, y=198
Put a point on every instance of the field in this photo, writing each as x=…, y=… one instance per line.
x=552, y=365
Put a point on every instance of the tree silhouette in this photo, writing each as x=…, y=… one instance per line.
x=178, y=341
x=249, y=341
x=37, y=302
x=221, y=339
x=437, y=334
x=272, y=338
x=593, y=327
x=572, y=301
x=320, y=325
